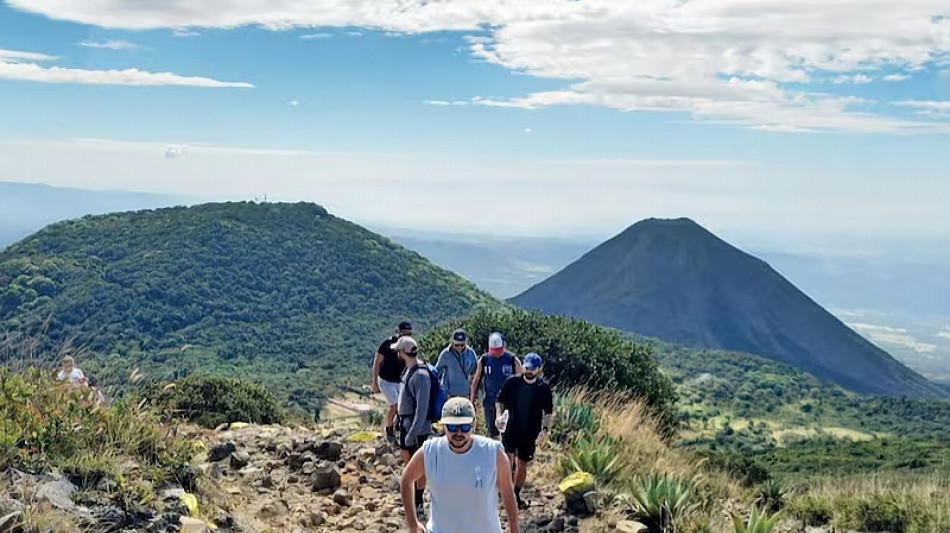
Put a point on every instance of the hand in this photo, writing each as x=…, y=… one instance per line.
x=376, y=388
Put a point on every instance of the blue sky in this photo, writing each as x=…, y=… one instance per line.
x=815, y=121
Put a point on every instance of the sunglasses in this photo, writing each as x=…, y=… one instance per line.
x=458, y=344
x=456, y=428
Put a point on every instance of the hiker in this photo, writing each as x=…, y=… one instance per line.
x=70, y=372
x=456, y=364
x=465, y=473
x=496, y=366
x=530, y=404
x=387, y=376
x=413, y=419
x=94, y=387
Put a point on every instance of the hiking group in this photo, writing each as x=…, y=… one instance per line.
x=465, y=472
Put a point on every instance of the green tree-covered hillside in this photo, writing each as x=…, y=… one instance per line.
x=282, y=293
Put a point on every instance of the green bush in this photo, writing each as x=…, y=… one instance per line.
x=45, y=423
x=757, y=523
x=211, y=401
x=575, y=352
x=573, y=419
x=660, y=502
x=598, y=456
x=812, y=510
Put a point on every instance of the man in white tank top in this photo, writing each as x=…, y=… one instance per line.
x=462, y=470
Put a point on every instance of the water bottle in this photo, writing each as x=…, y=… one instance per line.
x=504, y=421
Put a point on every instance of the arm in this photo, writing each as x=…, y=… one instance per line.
x=376, y=364
x=503, y=397
x=420, y=391
x=475, y=380
x=548, y=408
x=407, y=484
x=518, y=368
x=506, y=488
x=441, y=364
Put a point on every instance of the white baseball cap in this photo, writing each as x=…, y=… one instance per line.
x=496, y=344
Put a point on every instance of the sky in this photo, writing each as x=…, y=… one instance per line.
x=780, y=122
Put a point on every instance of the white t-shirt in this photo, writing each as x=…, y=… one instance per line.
x=75, y=376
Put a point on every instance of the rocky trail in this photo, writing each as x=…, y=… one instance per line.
x=258, y=479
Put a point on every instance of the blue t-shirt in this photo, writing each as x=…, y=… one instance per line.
x=496, y=371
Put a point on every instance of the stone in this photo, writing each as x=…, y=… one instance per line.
x=326, y=478
x=341, y=497
x=317, y=518
x=630, y=526
x=221, y=451
x=57, y=493
x=192, y=525
x=239, y=460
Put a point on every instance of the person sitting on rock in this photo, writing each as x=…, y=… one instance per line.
x=69, y=372
x=465, y=473
x=496, y=366
x=456, y=364
x=387, y=376
x=413, y=412
x=530, y=404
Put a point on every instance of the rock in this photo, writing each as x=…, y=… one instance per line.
x=58, y=493
x=388, y=459
x=192, y=525
x=273, y=510
x=317, y=518
x=341, y=497
x=221, y=451
x=11, y=522
x=326, y=478
x=187, y=476
x=630, y=526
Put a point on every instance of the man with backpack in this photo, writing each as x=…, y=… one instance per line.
x=456, y=364
x=496, y=366
x=420, y=404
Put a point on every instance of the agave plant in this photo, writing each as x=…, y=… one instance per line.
x=598, y=457
x=772, y=495
x=660, y=501
x=757, y=522
x=574, y=420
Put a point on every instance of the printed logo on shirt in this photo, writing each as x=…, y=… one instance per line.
x=508, y=370
x=479, y=481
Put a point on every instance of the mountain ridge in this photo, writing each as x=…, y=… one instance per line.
x=675, y=280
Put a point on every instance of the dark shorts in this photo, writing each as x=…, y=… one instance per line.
x=522, y=447
x=401, y=432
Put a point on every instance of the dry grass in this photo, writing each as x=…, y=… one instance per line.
x=884, y=502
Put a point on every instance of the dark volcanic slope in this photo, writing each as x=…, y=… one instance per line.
x=675, y=280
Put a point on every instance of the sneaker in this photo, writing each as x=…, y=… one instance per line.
x=390, y=436
x=521, y=503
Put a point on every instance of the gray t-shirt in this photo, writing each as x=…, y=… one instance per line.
x=455, y=369
x=414, y=402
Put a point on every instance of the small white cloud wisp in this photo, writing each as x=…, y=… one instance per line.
x=25, y=66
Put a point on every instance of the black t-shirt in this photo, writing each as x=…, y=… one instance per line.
x=527, y=403
x=392, y=367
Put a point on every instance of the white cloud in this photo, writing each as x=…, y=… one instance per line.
x=355, y=33
x=293, y=103
x=931, y=105
x=856, y=79
x=175, y=150
x=893, y=336
x=944, y=334
x=731, y=61
x=182, y=32
x=12, y=67
x=896, y=77
x=12, y=56
x=311, y=36
x=438, y=102
x=527, y=130
x=110, y=45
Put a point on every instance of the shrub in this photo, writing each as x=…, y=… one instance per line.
x=597, y=456
x=45, y=423
x=660, y=501
x=812, y=509
x=772, y=495
x=576, y=353
x=211, y=401
x=573, y=419
x=757, y=522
